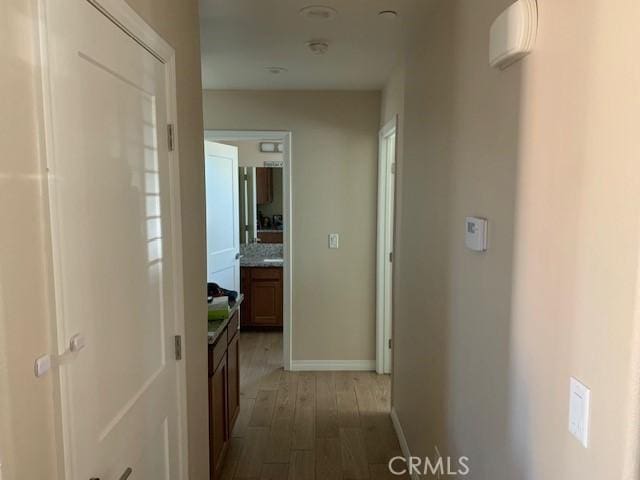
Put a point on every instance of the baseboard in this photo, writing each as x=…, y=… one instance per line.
x=332, y=365
x=402, y=440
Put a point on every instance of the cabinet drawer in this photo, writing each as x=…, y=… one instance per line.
x=217, y=352
x=232, y=328
x=260, y=273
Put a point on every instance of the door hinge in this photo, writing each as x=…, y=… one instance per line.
x=391, y=257
x=178, y=346
x=393, y=167
x=246, y=177
x=389, y=343
x=170, y=137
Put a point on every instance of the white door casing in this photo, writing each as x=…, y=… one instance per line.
x=223, y=237
x=384, y=275
x=113, y=193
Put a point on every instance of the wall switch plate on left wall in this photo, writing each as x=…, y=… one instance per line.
x=42, y=365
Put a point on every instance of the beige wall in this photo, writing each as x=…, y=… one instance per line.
x=334, y=149
x=26, y=404
x=485, y=344
x=27, y=445
x=392, y=102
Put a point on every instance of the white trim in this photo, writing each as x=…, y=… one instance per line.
x=287, y=214
x=383, y=265
x=333, y=365
x=121, y=14
x=402, y=440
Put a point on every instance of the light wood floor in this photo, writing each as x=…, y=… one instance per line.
x=307, y=425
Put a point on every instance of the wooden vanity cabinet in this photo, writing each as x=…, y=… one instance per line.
x=262, y=306
x=224, y=393
x=218, y=424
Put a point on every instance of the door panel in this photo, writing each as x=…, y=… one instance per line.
x=110, y=198
x=223, y=235
x=218, y=426
x=233, y=365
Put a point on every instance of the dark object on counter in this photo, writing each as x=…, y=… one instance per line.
x=277, y=222
x=215, y=290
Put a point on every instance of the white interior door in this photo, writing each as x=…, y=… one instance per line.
x=116, y=267
x=223, y=238
x=386, y=208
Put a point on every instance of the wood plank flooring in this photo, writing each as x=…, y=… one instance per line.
x=307, y=425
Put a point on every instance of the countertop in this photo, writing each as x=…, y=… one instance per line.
x=257, y=261
x=255, y=254
x=217, y=326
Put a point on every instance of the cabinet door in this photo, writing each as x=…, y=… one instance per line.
x=264, y=188
x=233, y=362
x=266, y=302
x=270, y=237
x=218, y=423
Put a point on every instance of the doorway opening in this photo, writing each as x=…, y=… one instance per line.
x=257, y=230
x=384, y=262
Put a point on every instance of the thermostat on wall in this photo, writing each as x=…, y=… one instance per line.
x=476, y=234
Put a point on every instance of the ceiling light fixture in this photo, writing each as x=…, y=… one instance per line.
x=389, y=14
x=276, y=70
x=318, y=47
x=318, y=12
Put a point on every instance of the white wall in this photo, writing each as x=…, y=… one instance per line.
x=334, y=150
x=548, y=151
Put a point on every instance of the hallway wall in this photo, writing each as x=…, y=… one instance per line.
x=334, y=183
x=27, y=430
x=485, y=343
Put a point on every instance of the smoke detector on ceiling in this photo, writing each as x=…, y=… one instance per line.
x=318, y=47
x=318, y=12
x=388, y=14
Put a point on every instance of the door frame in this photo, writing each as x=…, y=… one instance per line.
x=124, y=17
x=384, y=251
x=287, y=213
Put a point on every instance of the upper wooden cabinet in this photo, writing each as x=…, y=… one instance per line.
x=264, y=185
x=270, y=237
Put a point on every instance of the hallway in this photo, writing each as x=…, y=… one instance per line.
x=308, y=425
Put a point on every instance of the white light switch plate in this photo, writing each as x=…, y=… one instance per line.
x=334, y=240
x=42, y=365
x=475, y=234
x=579, y=400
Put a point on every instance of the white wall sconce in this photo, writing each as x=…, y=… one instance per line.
x=513, y=34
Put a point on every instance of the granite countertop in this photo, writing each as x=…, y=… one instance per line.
x=261, y=255
x=217, y=326
x=270, y=230
x=260, y=262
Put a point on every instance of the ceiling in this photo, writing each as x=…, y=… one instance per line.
x=242, y=38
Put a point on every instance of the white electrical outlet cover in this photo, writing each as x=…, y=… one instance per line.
x=579, y=404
